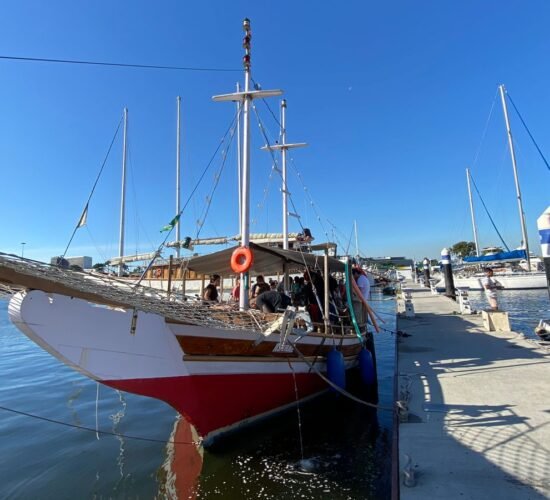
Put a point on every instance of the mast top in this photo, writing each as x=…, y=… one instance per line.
x=247, y=94
x=246, y=43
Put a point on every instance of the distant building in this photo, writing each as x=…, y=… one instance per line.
x=83, y=262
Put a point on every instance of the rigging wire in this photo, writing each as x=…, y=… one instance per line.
x=257, y=86
x=232, y=125
x=85, y=210
x=137, y=219
x=349, y=240
x=260, y=206
x=310, y=199
x=528, y=131
x=485, y=130
x=217, y=177
x=487, y=211
x=114, y=64
x=285, y=186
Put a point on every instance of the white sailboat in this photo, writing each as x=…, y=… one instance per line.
x=508, y=278
x=220, y=365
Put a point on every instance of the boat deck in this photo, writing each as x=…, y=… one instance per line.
x=479, y=407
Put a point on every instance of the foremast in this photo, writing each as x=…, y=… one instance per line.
x=284, y=147
x=246, y=98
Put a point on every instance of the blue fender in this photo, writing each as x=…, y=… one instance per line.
x=336, y=370
x=366, y=367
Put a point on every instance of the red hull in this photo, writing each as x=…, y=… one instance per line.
x=212, y=402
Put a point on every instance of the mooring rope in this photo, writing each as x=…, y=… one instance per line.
x=338, y=388
x=99, y=431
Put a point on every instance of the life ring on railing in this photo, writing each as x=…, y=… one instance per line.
x=158, y=272
x=242, y=259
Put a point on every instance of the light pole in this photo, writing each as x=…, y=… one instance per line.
x=23, y=249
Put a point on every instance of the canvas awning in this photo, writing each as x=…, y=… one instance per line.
x=267, y=260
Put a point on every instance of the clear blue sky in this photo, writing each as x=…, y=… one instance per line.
x=392, y=98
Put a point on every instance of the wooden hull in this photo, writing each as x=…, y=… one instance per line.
x=219, y=379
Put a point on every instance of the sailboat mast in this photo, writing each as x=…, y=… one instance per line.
x=356, y=240
x=245, y=201
x=178, y=179
x=246, y=98
x=123, y=195
x=474, y=226
x=239, y=163
x=283, y=175
x=516, y=179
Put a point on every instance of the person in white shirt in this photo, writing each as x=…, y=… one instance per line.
x=362, y=282
x=490, y=286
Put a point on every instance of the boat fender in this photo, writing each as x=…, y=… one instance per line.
x=241, y=260
x=366, y=367
x=336, y=370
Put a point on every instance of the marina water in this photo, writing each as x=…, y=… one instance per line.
x=347, y=447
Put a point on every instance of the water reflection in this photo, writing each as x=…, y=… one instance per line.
x=346, y=453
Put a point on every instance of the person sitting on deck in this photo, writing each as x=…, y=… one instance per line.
x=211, y=291
x=259, y=287
x=272, y=301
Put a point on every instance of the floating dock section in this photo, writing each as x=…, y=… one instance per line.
x=476, y=418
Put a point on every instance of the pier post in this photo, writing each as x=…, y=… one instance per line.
x=448, y=273
x=426, y=265
x=543, y=225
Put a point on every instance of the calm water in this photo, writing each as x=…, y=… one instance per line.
x=525, y=307
x=347, y=447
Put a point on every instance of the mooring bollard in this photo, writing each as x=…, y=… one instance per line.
x=448, y=274
x=463, y=301
x=404, y=303
x=426, y=264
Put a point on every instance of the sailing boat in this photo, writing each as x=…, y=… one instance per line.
x=220, y=366
x=508, y=279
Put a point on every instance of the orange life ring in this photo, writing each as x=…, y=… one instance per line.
x=242, y=259
x=158, y=272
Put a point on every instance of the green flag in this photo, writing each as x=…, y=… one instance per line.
x=170, y=226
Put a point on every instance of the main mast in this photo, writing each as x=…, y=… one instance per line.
x=474, y=226
x=178, y=153
x=246, y=99
x=516, y=179
x=123, y=195
x=239, y=162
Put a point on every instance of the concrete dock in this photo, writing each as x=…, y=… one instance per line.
x=479, y=407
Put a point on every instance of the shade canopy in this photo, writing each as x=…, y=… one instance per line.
x=267, y=260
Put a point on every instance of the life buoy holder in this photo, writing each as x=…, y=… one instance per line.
x=242, y=259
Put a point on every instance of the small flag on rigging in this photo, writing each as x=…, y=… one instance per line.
x=83, y=218
x=173, y=222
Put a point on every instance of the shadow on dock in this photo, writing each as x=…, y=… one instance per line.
x=478, y=408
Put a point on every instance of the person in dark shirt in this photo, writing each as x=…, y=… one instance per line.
x=272, y=300
x=258, y=287
x=211, y=291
